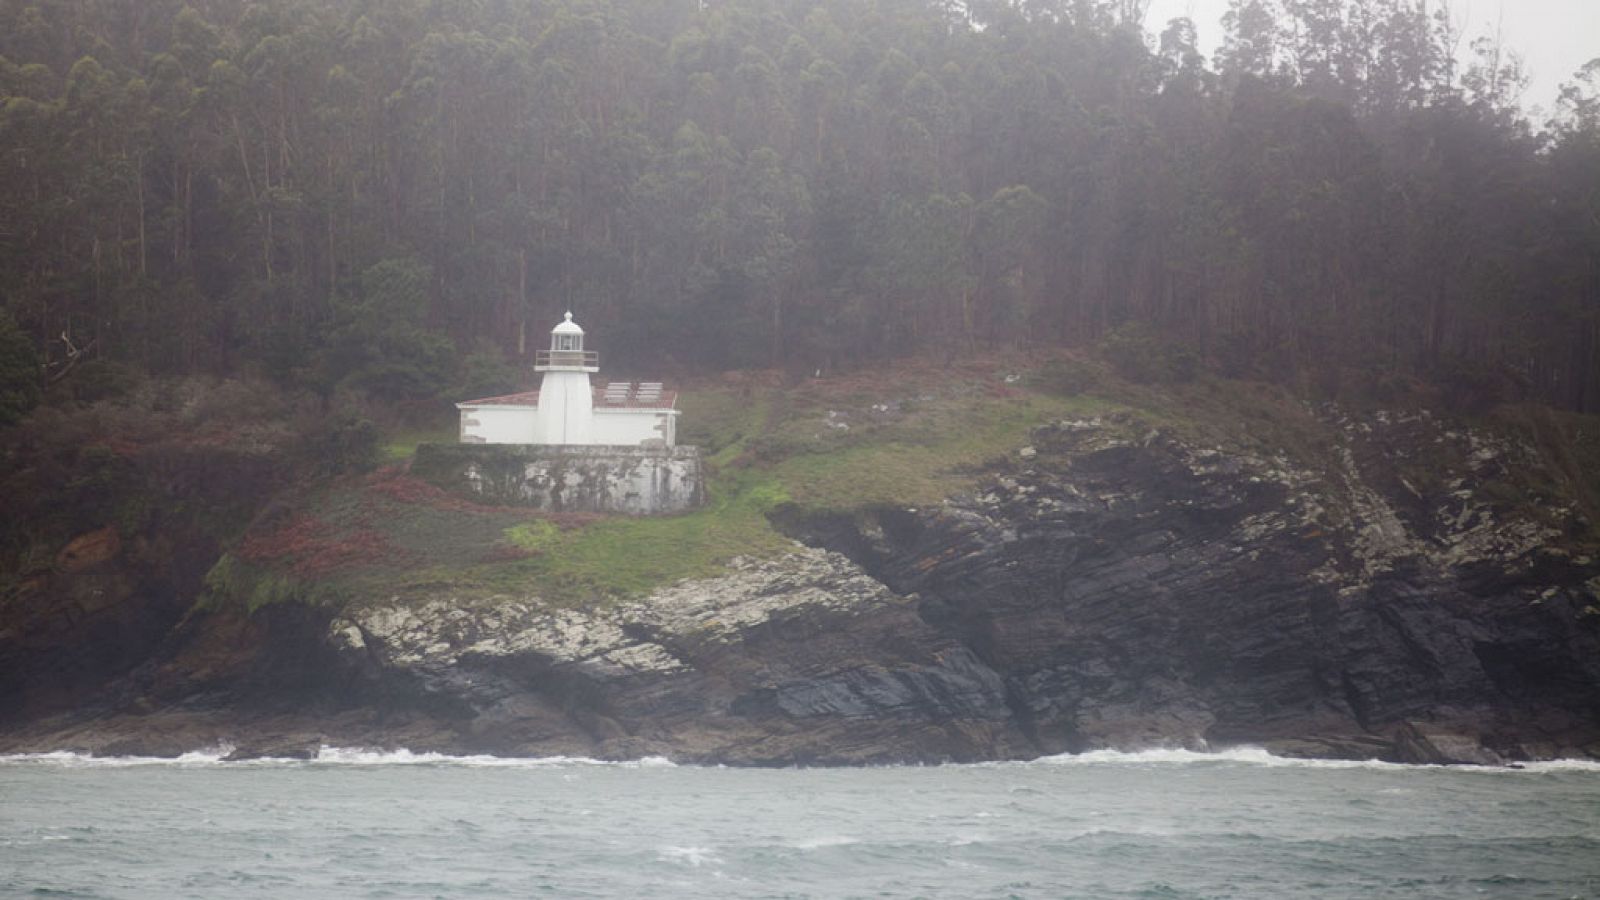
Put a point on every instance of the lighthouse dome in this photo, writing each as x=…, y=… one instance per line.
x=567, y=326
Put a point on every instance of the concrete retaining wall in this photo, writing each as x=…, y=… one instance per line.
x=634, y=480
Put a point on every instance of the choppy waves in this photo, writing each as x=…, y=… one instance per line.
x=361, y=822
x=1257, y=756
x=358, y=756
x=326, y=756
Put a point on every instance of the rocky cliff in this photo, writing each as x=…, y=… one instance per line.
x=1110, y=584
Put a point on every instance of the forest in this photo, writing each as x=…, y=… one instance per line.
x=399, y=197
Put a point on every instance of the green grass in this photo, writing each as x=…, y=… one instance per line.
x=233, y=580
x=721, y=421
x=925, y=457
x=1245, y=416
x=630, y=556
x=908, y=437
x=614, y=558
x=1567, y=447
x=534, y=537
x=399, y=446
x=764, y=448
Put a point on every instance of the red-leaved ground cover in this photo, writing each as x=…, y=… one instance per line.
x=507, y=552
x=359, y=548
x=311, y=548
x=392, y=482
x=296, y=537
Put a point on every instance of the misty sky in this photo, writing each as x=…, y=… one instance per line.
x=1555, y=37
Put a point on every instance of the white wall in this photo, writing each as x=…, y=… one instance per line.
x=631, y=427
x=633, y=480
x=608, y=427
x=565, y=405
x=498, y=425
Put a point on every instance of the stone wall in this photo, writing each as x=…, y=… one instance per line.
x=634, y=480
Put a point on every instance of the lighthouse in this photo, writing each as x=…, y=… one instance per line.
x=578, y=447
x=566, y=400
x=567, y=410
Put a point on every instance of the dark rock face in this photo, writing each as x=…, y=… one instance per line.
x=1136, y=593
x=803, y=659
x=111, y=600
x=1111, y=587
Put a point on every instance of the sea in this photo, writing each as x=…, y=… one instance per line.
x=1158, y=824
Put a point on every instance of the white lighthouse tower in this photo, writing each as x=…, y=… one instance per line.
x=566, y=411
x=566, y=401
x=576, y=448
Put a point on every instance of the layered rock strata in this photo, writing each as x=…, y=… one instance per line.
x=1109, y=586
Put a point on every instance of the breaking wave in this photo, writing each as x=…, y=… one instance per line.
x=1257, y=756
x=359, y=756
x=327, y=756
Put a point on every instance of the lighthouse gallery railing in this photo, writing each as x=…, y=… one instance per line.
x=585, y=359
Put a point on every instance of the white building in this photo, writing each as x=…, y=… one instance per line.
x=567, y=410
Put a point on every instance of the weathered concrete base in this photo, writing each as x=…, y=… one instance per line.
x=634, y=480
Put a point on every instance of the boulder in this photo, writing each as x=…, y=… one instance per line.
x=1422, y=743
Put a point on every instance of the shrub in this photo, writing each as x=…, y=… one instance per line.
x=341, y=443
x=1140, y=354
x=380, y=343
x=1472, y=385
x=19, y=371
x=485, y=372
x=101, y=379
x=1065, y=378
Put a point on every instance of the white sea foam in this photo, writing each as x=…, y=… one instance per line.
x=1562, y=765
x=68, y=759
x=362, y=756
x=827, y=840
x=1258, y=756
x=326, y=756
x=1233, y=828
x=1165, y=756
x=358, y=756
x=691, y=856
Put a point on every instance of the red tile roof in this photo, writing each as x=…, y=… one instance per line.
x=666, y=400
x=526, y=398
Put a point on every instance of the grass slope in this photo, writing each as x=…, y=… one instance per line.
x=911, y=436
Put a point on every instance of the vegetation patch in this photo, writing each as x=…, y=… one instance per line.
x=233, y=580
x=402, y=445
x=389, y=535
x=921, y=457
x=1567, y=447
x=312, y=549
x=908, y=435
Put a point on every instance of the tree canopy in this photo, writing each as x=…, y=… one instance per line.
x=368, y=193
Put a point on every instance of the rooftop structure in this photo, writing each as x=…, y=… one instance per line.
x=567, y=410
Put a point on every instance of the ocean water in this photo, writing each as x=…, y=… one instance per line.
x=1163, y=824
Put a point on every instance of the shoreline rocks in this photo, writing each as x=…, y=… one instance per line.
x=1100, y=593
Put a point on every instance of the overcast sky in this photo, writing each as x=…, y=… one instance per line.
x=1555, y=37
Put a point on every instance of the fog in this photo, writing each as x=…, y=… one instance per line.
x=1554, y=37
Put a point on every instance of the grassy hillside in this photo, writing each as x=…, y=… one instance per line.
x=910, y=435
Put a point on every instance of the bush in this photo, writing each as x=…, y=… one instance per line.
x=1138, y=353
x=1472, y=385
x=380, y=343
x=344, y=442
x=230, y=400
x=19, y=371
x=485, y=372
x=100, y=379
x=1066, y=378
